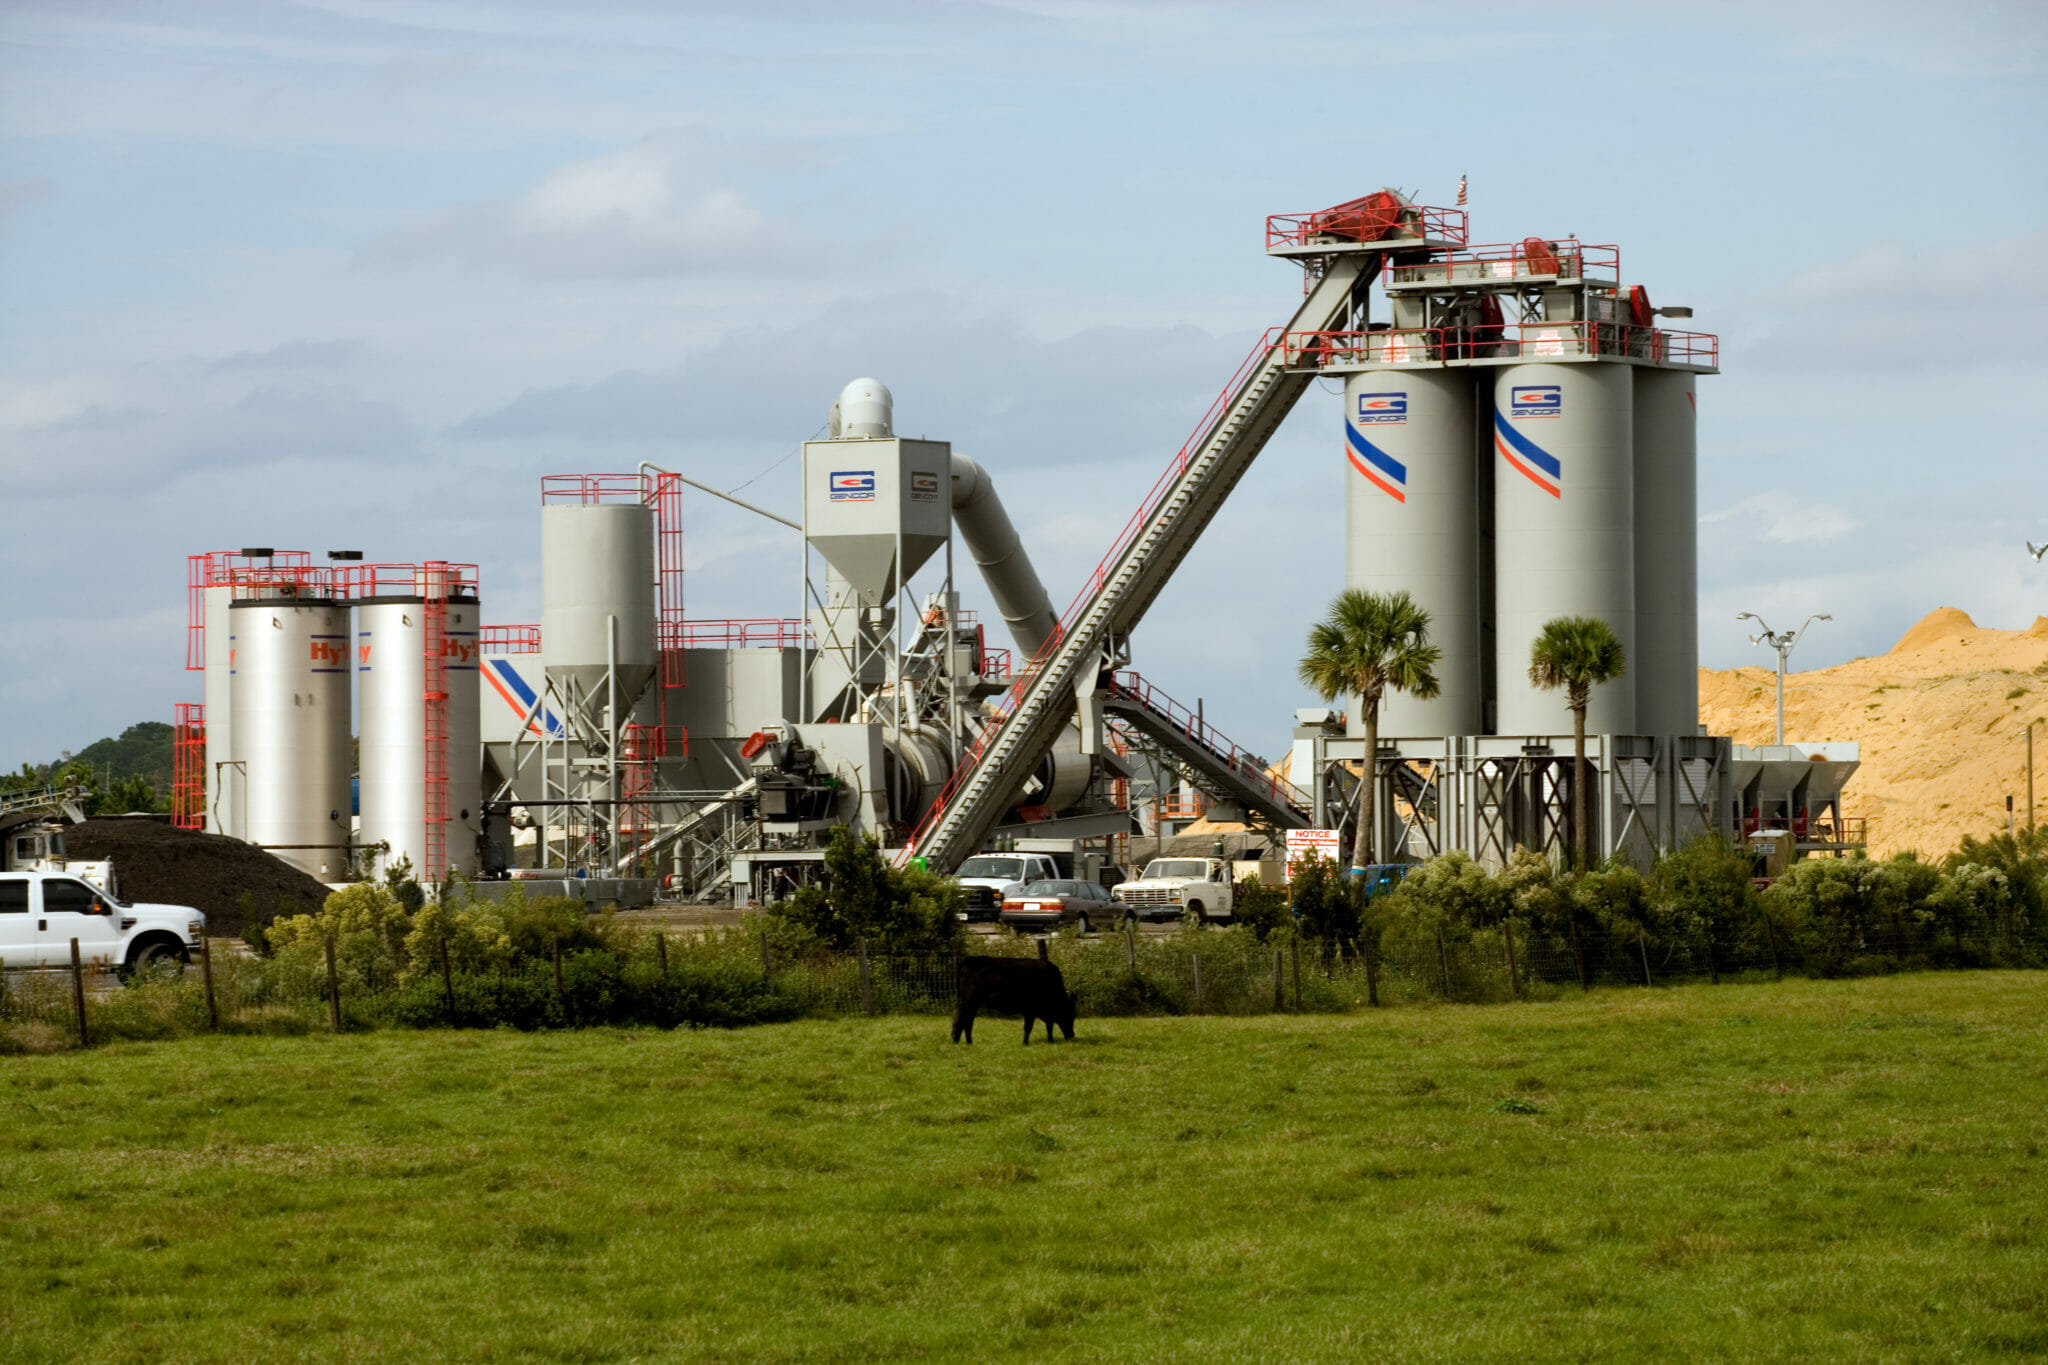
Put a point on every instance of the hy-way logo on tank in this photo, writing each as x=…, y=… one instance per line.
x=1532, y=461
x=1380, y=469
x=1535, y=400
x=853, y=485
x=1382, y=409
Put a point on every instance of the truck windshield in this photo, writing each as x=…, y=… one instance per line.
x=1178, y=867
x=1007, y=869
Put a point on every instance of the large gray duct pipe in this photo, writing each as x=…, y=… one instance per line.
x=1005, y=567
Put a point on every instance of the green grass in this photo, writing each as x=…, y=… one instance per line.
x=1850, y=1170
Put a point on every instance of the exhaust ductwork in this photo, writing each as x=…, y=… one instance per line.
x=1005, y=567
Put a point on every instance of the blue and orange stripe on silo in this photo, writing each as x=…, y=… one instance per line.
x=1377, y=466
x=1536, y=464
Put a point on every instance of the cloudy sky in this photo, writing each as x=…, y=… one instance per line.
x=357, y=273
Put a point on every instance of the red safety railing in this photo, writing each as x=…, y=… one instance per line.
x=563, y=489
x=1376, y=217
x=1248, y=767
x=1180, y=807
x=1522, y=340
x=1851, y=829
x=508, y=639
x=359, y=581
x=996, y=663
x=188, y=765
x=218, y=567
x=1532, y=258
x=746, y=632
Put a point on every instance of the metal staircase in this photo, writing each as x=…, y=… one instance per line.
x=1150, y=547
x=1213, y=763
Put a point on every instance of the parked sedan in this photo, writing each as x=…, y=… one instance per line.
x=1050, y=904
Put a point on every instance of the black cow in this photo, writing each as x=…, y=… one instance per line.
x=1012, y=985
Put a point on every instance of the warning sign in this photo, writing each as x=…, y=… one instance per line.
x=1310, y=843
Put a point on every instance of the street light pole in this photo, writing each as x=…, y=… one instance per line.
x=1784, y=641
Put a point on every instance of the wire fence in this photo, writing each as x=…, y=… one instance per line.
x=728, y=977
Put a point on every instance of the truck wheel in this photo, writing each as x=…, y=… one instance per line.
x=1195, y=909
x=159, y=954
x=1081, y=923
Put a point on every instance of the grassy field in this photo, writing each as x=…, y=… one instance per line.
x=1848, y=1170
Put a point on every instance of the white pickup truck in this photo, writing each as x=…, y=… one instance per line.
x=988, y=877
x=1172, y=886
x=41, y=912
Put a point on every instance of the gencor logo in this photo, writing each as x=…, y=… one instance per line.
x=1382, y=408
x=852, y=485
x=1535, y=400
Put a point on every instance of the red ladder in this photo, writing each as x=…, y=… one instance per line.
x=434, y=586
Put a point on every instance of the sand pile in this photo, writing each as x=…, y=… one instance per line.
x=209, y=872
x=1942, y=720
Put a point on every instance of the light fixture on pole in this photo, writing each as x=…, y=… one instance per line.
x=1784, y=642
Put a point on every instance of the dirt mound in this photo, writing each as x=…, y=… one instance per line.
x=209, y=872
x=1936, y=627
x=1941, y=719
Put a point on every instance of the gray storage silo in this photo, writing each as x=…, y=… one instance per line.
x=1665, y=663
x=1564, y=518
x=597, y=562
x=289, y=702
x=1411, y=525
x=391, y=672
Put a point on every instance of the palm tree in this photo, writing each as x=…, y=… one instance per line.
x=1369, y=643
x=1575, y=653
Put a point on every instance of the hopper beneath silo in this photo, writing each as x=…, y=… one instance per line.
x=866, y=500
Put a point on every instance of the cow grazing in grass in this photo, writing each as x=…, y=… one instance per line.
x=1011, y=985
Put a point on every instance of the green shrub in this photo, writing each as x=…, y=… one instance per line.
x=901, y=910
x=1262, y=909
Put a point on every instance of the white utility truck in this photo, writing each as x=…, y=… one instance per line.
x=41, y=912
x=988, y=877
x=1173, y=886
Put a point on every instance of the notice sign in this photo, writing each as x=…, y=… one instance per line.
x=1310, y=843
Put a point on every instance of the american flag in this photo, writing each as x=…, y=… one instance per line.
x=1461, y=191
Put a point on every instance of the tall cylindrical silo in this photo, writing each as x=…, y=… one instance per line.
x=289, y=703
x=391, y=701
x=597, y=562
x=223, y=798
x=1666, y=661
x=1411, y=525
x=1564, y=519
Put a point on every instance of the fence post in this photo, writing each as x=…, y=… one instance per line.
x=1130, y=943
x=206, y=976
x=1713, y=967
x=447, y=981
x=1196, y=958
x=1572, y=922
x=661, y=951
x=1443, y=959
x=1644, y=949
x=1279, y=982
x=561, y=991
x=333, y=988
x=767, y=972
x=78, y=994
x=1372, y=970
x=1514, y=972
x=1294, y=952
x=867, y=987
x=1043, y=955
x=1771, y=937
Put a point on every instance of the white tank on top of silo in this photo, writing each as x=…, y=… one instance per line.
x=1411, y=525
x=290, y=707
x=1666, y=660
x=1564, y=518
x=596, y=562
x=391, y=673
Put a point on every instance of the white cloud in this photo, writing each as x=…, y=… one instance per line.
x=640, y=211
x=1783, y=521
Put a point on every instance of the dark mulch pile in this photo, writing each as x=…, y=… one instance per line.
x=209, y=872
